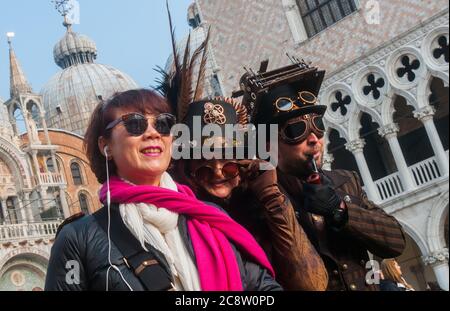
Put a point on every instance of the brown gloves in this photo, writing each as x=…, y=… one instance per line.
x=263, y=184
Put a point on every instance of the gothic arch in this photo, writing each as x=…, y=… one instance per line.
x=12, y=107
x=387, y=108
x=341, y=130
x=436, y=221
x=354, y=124
x=59, y=163
x=33, y=252
x=88, y=198
x=29, y=101
x=18, y=166
x=81, y=167
x=423, y=89
x=416, y=236
x=35, y=110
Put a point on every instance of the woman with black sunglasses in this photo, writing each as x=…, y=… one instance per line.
x=252, y=198
x=152, y=233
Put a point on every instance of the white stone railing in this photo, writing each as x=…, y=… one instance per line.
x=389, y=186
x=28, y=231
x=50, y=178
x=425, y=172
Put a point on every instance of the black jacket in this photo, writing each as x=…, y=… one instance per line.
x=83, y=244
x=390, y=286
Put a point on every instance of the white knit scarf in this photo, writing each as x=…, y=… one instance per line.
x=158, y=227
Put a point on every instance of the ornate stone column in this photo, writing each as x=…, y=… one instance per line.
x=425, y=115
x=438, y=260
x=357, y=148
x=44, y=126
x=64, y=205
x=28, y=207
x=389, y=132
x=23, y=215
x=36, y=164
x=4, y=210
x=44, y=197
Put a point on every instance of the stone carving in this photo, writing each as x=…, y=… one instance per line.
x=440, y=256
x=389, y=130
x=355, y=146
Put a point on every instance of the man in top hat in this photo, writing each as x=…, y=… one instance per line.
x=251, y=197
x=331, y=206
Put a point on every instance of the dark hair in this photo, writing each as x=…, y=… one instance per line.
x=140, y=100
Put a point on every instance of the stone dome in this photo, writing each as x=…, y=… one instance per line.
x=71, y=95
x=73, y=49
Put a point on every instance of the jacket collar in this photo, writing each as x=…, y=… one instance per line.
x=337, y=179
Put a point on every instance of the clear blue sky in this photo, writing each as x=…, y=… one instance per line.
x=131, y=35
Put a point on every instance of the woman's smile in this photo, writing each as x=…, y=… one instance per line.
x=152, y=151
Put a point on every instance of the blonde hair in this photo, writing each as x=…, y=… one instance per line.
x=391, y=273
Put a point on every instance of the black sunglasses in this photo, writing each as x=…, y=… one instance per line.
x=298, y=129
x=205, y=173
x=136, y=124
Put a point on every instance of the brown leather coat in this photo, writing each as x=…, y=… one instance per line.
x=297, y=264
x=344, y=252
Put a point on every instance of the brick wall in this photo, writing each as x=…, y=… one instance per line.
x=70, y=148
x=245, y=32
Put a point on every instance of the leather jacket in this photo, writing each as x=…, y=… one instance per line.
x=83, y=244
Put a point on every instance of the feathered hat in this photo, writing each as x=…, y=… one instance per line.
x=184, y=85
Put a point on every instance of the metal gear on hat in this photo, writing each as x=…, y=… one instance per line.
x=214, y=114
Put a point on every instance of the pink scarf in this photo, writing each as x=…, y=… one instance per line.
x=210, y=230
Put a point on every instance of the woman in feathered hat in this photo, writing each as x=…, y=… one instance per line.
x=248, y=195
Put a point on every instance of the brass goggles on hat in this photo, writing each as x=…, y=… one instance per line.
x=296, y=130
x=206, y=172
x=287, y=104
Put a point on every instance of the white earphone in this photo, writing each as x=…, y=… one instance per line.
x=108, y=203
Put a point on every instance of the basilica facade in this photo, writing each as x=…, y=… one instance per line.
x=44, y=173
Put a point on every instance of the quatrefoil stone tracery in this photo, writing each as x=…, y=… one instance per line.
x=374, y=86
x=341, y=103
x=408, y=68
x=442, y=50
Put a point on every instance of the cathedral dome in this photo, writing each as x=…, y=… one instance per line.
x=72, y=94
x=74, y=48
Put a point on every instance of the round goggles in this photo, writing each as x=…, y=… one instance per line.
x=136, y=124
x=298, y=129
x=286, y=104
x=206, y=172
